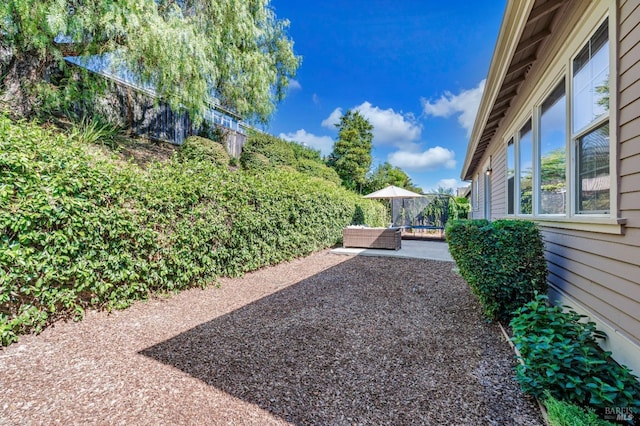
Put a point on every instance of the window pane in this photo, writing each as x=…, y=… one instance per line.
x=593, y=171
x=526, y=169
x=553, y=157
x=511, y=177
x=591, y=80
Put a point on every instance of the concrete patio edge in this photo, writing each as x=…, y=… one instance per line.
x=433, y=250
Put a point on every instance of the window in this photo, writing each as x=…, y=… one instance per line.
x=511, y=177
x=591, y=80
x=526, y=169
x=591, y=124
x=553, y=155
x=593, y=171
x=566, y=140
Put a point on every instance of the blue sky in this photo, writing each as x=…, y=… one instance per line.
x=414, y=69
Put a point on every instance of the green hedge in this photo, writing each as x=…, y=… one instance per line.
x=197, y=148
x=79, y=229
x=503, y=262
x=561, y=358
x=263, y=151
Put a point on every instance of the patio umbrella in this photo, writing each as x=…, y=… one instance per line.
x=392, y=192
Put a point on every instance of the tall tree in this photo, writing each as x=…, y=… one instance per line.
x=386, y=174
x=351, y=156
x=189, y=51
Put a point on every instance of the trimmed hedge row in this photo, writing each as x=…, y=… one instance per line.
x=503, y=262
x=263, y=151
x=81, y=230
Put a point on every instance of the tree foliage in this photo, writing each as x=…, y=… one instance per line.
x=351, y=156
x=386, y=174
x=189, y=51
x=263, y=151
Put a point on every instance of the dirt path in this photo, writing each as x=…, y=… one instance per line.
x=326, y=340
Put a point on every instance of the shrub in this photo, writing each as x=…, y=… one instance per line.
x=196, y=148
x=278, y=151
x=561, y=413
x=254, y=162
x=318, y=169
x=502, y=261
x=263, y=151
x=560, y=355
x=80, y=230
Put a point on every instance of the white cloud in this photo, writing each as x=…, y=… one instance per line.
x=315, y=98
x=390, y=127
x=465, y=105
x=448, y=183
x=429, y=160
x=333, y=119
x=324, y=144
x=294, y=85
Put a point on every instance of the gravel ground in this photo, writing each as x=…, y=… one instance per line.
x=330, y=340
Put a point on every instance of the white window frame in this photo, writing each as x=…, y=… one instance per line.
x=555, y=72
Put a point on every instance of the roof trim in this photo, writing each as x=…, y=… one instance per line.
x=513, y=24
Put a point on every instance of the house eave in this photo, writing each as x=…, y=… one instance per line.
x=516, y=51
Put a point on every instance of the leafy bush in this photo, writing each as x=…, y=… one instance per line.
x=278, y=151
x=503, y=262
x=196, y=148
x=560, y=355
x=255, y=162
x=561, y=413
x=281, y=153
x=79, y=230
x=318, y=169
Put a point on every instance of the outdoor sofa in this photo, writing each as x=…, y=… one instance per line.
x=376, y=238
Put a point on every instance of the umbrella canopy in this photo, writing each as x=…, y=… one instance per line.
x=392, y=191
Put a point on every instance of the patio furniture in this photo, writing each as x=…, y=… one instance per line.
x=377, y=238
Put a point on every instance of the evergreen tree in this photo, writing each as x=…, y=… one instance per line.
x=351, y=156
x=386, y=174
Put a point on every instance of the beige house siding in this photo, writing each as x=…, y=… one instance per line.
x=629, y=118
x=597, y=273
x=601, y=272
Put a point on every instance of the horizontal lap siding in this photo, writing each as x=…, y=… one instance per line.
x=597, y=272
x=629, y=117
x=601, y=271
x=498, y=182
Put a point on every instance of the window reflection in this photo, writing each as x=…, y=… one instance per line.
x=553, y=158
x=593, y=171
x=526, y=169
x=591, y=80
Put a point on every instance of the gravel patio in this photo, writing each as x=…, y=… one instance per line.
x=329, y=340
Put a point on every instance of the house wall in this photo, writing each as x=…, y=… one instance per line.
x=138, y=111
x=595, y=270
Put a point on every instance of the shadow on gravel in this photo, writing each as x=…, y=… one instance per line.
x=372, y=340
